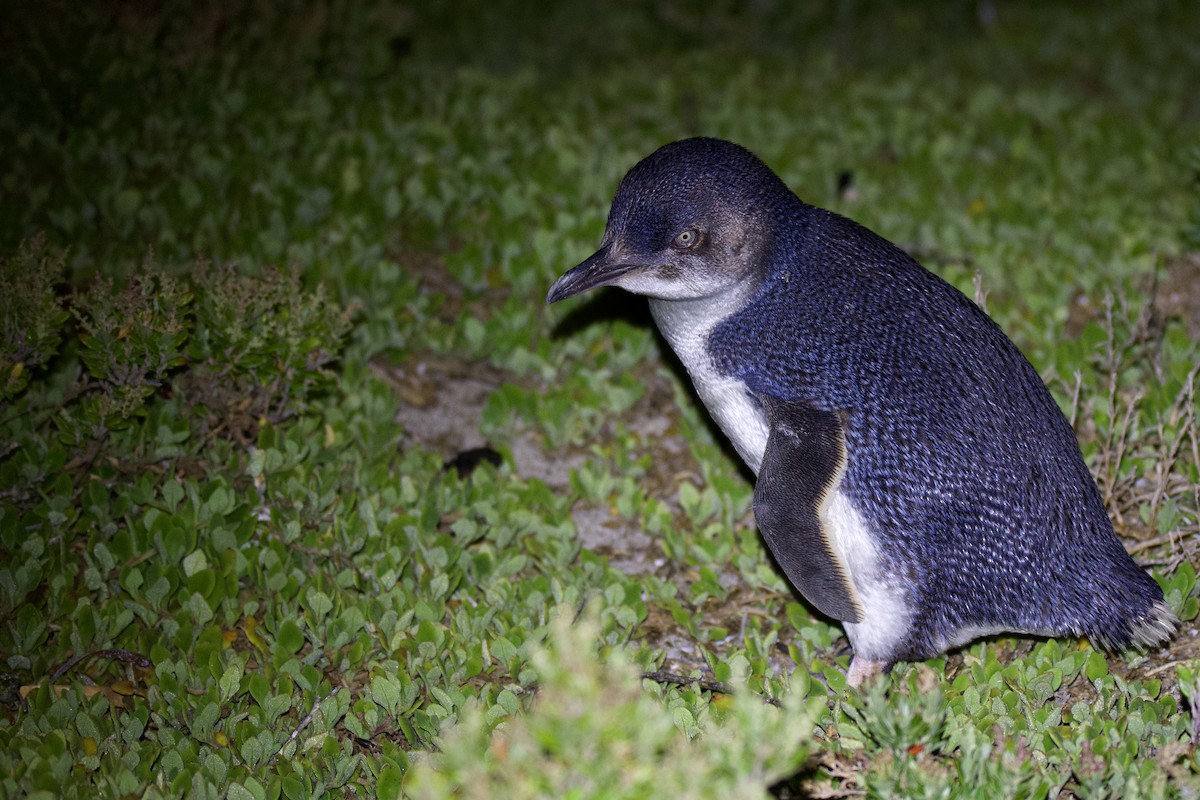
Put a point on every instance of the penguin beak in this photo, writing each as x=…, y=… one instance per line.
x=600, y=269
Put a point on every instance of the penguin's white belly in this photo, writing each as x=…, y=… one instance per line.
x=738, y=415
x=886, y=616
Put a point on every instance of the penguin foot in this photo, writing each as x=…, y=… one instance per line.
x=864, y=669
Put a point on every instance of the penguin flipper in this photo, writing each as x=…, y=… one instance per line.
x=803, y=463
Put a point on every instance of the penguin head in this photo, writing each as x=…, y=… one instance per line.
x=692, y=220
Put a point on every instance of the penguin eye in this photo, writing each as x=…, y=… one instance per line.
x=687, y=239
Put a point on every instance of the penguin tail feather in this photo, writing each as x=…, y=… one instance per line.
x=1154, y=626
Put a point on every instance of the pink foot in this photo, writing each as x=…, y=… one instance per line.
x=864, y=669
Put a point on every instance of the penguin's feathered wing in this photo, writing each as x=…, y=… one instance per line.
x=801, y=467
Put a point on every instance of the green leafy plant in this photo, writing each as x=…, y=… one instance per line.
x=262, y=346
x=593, y=732
x=31, y=313
x=132, y=338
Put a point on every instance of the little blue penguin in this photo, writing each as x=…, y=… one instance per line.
x=915, y=479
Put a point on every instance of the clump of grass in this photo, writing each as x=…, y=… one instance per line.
x=31, y=313
x=1191, y=233
x=262, y=347
x=155, y=359
x=132, y=339
x=592, y=731
x=1139, y=424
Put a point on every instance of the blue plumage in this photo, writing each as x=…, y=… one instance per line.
x=959, y=458
x=912, y=459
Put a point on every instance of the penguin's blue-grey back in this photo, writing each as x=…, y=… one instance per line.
x=959, y=456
